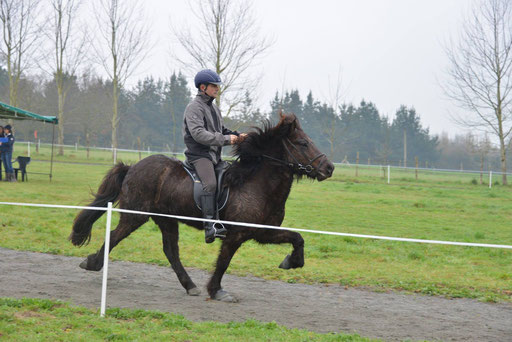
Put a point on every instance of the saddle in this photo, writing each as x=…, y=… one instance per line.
x=222, y=193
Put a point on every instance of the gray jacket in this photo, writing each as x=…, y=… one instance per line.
x=203, y=129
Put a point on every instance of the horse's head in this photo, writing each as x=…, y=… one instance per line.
x=300, y=153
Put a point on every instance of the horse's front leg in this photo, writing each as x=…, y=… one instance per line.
x=296, y=259
x=228, y=248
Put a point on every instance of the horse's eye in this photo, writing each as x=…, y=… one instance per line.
x=302, y=142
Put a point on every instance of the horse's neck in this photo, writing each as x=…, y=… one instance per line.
x=275, y=183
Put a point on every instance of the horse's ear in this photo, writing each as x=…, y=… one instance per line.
x=288, y=124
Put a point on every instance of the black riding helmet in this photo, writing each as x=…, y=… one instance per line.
x=206, y=77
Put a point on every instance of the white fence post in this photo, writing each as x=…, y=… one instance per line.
x=389, y=173
x=76, y=147
x=115, y=156
x=105, y=261
x=28, y=148
x=490, y=179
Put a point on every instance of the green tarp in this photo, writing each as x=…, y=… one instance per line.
x=10, y=112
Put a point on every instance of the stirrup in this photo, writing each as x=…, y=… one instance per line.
x=220, y=230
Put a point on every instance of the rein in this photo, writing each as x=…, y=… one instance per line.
x=296, y=165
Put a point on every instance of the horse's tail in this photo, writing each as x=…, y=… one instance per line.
x=108, y=191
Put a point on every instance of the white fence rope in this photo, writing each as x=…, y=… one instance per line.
x=262, y=226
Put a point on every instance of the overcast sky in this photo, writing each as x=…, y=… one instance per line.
x=389, y=51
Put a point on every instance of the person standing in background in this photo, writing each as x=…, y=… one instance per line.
x=1, y=136
x=6, y=150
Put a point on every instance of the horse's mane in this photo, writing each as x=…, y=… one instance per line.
x=259, y=141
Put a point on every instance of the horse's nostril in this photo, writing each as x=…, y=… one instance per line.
x=330, y=168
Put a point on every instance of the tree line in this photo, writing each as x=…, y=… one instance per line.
x=151, y=115
x=47, y=35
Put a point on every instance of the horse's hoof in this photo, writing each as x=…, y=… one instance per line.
x=83, y=264
x=225, y=297
x=89, y=265
x=286, y=264
x=194, y=291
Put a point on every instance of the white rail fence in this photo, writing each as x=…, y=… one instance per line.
x=385, y=171
x=110, y=209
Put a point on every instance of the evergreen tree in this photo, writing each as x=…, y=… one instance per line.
x=419, y=143
x=177, y=95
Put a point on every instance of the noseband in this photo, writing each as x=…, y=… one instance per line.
x=296, y=165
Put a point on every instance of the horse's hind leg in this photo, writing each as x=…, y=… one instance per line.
x=229, y=246
x=127, y=224
x=170, y=237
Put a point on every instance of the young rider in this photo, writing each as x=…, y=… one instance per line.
x=204, y=134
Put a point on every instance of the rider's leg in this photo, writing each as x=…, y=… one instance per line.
x=205, y=170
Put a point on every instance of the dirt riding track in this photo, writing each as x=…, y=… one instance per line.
x=319, y=308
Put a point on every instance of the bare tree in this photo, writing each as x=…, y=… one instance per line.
x=67, y=46
x=480, y=72
x=225, y=39
x=330, y=130
x=126, y=37
x=19, y=34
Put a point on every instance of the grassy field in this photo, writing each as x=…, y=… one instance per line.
x=44, y=320
x=436, y=207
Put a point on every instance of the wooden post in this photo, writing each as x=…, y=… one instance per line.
x=481, y=169
x=87, y=143
x=405, y=148
x=369, y=161
x=416, y=161
x=138, y=147
x=357, y=162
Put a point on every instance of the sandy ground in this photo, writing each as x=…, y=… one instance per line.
x=390, y=316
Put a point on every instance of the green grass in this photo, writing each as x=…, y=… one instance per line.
x=434, y=207
x=45, y=320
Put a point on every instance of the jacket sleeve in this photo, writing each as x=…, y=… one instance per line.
x=195, y=123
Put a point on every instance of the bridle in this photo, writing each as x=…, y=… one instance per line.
x=296, y=165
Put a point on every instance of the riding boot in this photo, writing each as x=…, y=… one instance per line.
x=12, y=178
x=211, y=229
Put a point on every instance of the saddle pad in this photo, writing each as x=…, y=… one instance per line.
x=222, y=193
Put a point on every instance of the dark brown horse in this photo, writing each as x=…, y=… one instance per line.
x=259, y=181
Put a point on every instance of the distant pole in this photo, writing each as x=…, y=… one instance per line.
x=28, y=148
x=53, y=142
x=87, y=143
x=115, y=155
x=105, y=261
x=416, y=161
x=490, y=179
x=405, y=148
x=138, y=147
x=357, y=162
x=389, y=173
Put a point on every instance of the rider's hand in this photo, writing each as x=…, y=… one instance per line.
x=238, y=139
x=241, y=137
